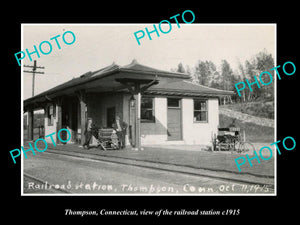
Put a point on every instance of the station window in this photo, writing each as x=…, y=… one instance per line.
x=51, y=114
x=147, y=109
x=200, y=111
x=173, y=103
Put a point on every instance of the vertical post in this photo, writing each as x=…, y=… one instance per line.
x=34, y=67
x=33, y=76
x=30, y=123
x=70, y=120
x=244, y=135
x=45, y=119
x=82, y=111
x=59, y=118
x=82, y=115
x=132, y=122
x=82, y=120
x=213, y=137
x=138, y=116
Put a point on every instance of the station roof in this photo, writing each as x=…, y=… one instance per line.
x=104, y=80
x=186, y=88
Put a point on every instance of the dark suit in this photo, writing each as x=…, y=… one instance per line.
x=89, y=132
x=121, y=131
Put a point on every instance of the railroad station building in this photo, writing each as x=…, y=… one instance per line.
x=160, y=107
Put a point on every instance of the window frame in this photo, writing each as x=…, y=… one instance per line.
x=174, y=107
x=152, y=109
x=50, y=117
x=206, y=110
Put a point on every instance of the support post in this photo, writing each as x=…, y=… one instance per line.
x=136, y=92
x=138, y=117
x=82, y=120
x=82, y=105
x=59, y=119
x=132, y=122
x=30, y=124
x=70, y=120
x=45, y=119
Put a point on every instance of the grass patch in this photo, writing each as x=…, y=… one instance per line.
x=263, y=109
x=254, y=132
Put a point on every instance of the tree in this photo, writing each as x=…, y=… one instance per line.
x=201, y=72
x=179, y=69
x=206, y=72
x=215, y=81
x=188, y=70
x=242, y=78
x=251, y=72
x=227, y=76
x=261, y=62
x=264, y=62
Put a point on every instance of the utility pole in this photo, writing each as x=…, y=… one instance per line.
x=34, y=67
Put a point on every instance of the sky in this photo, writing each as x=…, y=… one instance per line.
x=100, y=45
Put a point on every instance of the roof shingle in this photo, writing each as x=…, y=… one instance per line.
x=179, y=84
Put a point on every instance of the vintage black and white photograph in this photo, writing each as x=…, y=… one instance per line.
x=131, y=109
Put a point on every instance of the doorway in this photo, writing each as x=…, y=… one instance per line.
x=70, y=116
x=110, y=115
x=174, y=119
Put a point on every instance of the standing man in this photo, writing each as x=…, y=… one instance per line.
x=88, y=133
x=120, y=126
